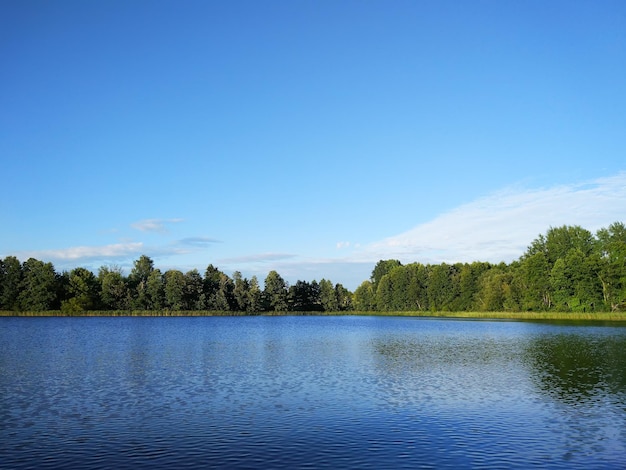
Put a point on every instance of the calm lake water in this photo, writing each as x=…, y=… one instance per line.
x=310, y=392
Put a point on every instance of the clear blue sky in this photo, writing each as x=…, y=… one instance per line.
x=309, y=137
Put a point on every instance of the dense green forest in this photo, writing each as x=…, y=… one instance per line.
x=35, y=286
x=567, y=269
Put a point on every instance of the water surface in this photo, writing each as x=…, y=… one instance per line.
x=310, y=392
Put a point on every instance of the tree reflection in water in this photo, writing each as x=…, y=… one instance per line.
x=574, y=368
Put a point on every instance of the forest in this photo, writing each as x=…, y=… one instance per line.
x=567, y=269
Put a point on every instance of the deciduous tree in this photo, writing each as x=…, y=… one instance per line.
x=113, y=288
x=328, y=296
x=255, y=296
x=365, y=297
x=174, y=289
x=84, y=291
x=194, y=291
x=38, y=286
x=275, y=292
x=155, y=290
x=612, y=265
x=10, y=281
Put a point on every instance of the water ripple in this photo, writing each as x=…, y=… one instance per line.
x=309, y=393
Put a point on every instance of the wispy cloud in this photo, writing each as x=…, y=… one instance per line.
x=118, y=251
x=500, y=226
x=198, y=242
x=257, y=258
x=154, y=225
x=293, y=268
x=83, y=253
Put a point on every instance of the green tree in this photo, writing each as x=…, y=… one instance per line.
x=513, y=288
x=364, y=297
x=401, y=281
x=344, y=298
x=612, y=265
x=575, y=281
x=497, y=291
x=560, y=241
x=212, y=277
x=404, y=288
x=328, y=296
x=113, y=288
x=38, y=289
x=443, y=287
x=218, y=288
x=469, y=284
x=224, y=300
x=561, y=270
x=138, y=282
x=384, y=295
x=383, y=267
x=275, y=292
x=417, y=289
x=315, y=297
x=561, y=284
x=240, y=292
x=535, y=278
x=155, y=290
x=142, y=268
x=10, y=281
x=304, y=296
x=255, y=296
x=84, y=291
x=174, y=289
x=194, y=296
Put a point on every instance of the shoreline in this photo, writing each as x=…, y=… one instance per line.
x=551, y=316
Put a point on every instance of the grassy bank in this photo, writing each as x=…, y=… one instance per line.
x=125, y=313
x=558, y=316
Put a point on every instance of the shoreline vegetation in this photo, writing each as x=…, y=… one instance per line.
x=529, y=316
x=568, y=273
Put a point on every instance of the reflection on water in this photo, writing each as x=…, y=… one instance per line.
x=584, y=376
x=294, y=392
x=450, y=371
x=574, y=368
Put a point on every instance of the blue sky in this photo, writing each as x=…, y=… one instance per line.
x=309, y=137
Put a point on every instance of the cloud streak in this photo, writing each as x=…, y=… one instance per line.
x=154, y=225
x=257, y=258
x=499, y=227
x=117, y=251
x=82, y=253
x=198, y=242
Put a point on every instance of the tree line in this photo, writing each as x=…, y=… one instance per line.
x=35, y=286
x=567, y=269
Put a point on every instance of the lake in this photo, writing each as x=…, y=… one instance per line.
x=310, y=392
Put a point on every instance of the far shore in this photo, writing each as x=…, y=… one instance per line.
x=551, y=316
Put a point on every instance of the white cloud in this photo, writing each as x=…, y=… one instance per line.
x=257, y=258
x=292, y=268
x=500, y=226
x=154, y=225
x=123, y=252
x=117, y=250
x=198, y=242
